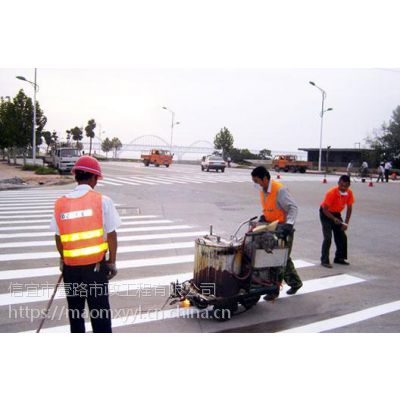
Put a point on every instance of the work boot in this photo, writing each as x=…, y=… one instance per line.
x=294, y=289
x=271, y=296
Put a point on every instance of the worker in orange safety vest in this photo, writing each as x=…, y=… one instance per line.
x=278, y=205
x=85, y=224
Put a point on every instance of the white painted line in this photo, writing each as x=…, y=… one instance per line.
x=347, y=319
x=28, y=207
x=5, y=213
x=24, y=216
x=124, y=264
x=133, y=238
x=154, y=180
x=302, y=264
x=38, y=221
x=39, y=202
x=142, y=181
x=120, y=230
x=110, y=182
x=122, y=249
x=176, y=313
x=125, y=182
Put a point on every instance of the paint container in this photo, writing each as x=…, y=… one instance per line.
x=216, y=262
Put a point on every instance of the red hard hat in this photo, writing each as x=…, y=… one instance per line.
x=88, y=164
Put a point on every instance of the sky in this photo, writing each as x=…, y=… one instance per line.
x=262, y=107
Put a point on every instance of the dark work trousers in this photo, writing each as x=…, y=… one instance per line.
x=328, y=226
x=387, y=171
x=83, y=283
x=290, y=275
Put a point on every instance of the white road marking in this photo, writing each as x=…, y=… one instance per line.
x=40, y=243
x=309, y=286
x=347, y=319
x=126, y=182
x=48, y=233
x=123, y=264
x=38, y=221
x=110, y=181
x=122, y=249
x=24, y=216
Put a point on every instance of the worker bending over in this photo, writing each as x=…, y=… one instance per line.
x=278, y=204
x=336, y=199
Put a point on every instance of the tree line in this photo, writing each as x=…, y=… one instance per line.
x=16, y=130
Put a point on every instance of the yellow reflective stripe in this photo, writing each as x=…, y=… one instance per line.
x=73, y=237
x=86, y=251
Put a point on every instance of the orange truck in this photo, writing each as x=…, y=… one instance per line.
x=289, y=163
x=157, y=158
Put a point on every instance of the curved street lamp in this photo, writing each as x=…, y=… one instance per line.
x=172, y=124
x=322, y=121
x=35, y=90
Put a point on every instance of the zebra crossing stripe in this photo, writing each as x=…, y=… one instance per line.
x=41, y=243
x=120, y=230
x=38, y=221
x=314, y=285
x=121, y=250
x=122, y=264
x=347, y=319
x=24, y=216
x=126, y=182
x=110, y=181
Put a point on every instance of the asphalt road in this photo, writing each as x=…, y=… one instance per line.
x=163, y=210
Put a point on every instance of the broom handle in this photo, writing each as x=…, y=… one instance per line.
x=50, y=303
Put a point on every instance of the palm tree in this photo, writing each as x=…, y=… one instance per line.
x=90, y=132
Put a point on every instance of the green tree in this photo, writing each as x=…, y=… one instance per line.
x=90, y=132
x=116, y=145
x=77, y=135
x=6, y=116
x=264, y=154
x=106, y=146
x=68, y=135
x=224, y=140
x=386, y=143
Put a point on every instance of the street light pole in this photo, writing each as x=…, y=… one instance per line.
x=35, y=90
x=172, y=124
x=322, y=122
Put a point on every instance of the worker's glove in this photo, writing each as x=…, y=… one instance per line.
x=112, y=270
x=287, y=229
x=61, y=264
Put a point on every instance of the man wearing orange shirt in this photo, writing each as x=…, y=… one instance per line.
x=336, y=199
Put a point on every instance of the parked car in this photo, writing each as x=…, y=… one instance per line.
x=213, y=162
x=62, y=159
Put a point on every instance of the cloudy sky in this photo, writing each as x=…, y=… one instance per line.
x=263, y=108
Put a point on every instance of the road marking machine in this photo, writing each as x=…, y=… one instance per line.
x=234, y=273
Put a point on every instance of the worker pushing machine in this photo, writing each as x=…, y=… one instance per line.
x=278, y=204
x=85, y=224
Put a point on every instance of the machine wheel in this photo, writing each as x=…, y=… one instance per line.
x=208, y=169
x=223, y=170
x=167, y=165
x=200, y=303
x=249, y=301
x=302, y=170
x=146, y=164
x=202, y=168
x=156, y=165
x=286, y=169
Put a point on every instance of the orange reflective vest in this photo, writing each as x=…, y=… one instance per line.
x=80, y=222
x=271, y=211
